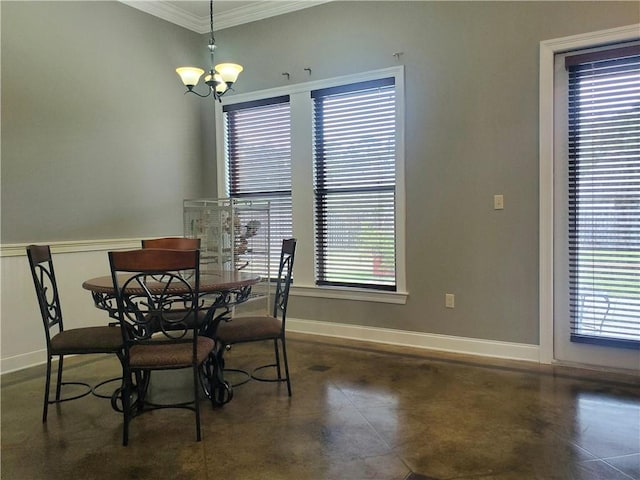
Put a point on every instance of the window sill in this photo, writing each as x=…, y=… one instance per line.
x=358, y=294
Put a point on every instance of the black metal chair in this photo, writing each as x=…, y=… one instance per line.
x=61, y=342
x=147, y=283
x=243, y=329
x=183, y=243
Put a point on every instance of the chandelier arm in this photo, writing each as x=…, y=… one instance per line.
x=198, y=94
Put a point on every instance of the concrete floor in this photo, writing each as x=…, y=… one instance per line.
x=358, y=411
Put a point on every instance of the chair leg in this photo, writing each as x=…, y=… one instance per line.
x=277, y=355
x=58, y=387
x=59, y=383
x=196, y=401
x=47, y=385
x=126, y=406
x=286, y=364
x=143, y=377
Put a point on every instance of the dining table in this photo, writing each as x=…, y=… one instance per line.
x=219, y=291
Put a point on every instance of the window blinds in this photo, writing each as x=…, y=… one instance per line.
x=604, y=196
x=258, y=153
x=354, y=182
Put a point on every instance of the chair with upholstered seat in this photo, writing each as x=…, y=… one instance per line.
x=147, y=283
x=61, y=342
x=172, y=243
x=269, y=327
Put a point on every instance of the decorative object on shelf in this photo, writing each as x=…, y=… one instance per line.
x=219, y=79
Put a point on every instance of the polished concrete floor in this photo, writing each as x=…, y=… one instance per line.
x=358, y=411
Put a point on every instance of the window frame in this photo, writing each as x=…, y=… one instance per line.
x=547, y=179
x=247, y=156
x=342, y=115
x=302, y=181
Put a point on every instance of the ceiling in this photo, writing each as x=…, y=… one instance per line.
x=194, y=15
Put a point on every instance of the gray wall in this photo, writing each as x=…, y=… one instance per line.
x=472, y=131
x=97, y=139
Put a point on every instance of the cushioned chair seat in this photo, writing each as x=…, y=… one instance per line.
x=87, y=340
x=248, y=329
x=169, y=355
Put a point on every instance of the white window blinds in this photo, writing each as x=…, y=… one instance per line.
x=355, y=182
x=258, y=154
x=604, y=196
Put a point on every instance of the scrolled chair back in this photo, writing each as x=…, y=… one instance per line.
x=283, y=282
x=157, y=293
x=44, y=280
x=172, y=243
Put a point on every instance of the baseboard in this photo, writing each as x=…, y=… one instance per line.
x=20, y=362
x=444, y=343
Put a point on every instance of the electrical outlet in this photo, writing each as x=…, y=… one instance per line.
x=449, y=300
x=498, y=202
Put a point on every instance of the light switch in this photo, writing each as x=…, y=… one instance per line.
x=498, y=202
x=449, y=300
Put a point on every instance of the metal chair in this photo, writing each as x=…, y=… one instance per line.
x=172, y=243
x=269, y=327
x=182, y=243
x=155, y=280
x=61, y=342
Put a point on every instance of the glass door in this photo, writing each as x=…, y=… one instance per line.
x=597, y=207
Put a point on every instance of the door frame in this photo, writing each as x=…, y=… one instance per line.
x=548, y=50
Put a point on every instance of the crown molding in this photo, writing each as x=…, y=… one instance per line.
x=237, y=16
x=168, y=12
x=259, y=11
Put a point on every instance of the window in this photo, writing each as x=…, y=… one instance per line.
x=331, y=152
x=258, y=155
x=355, y=176
x=604, y=196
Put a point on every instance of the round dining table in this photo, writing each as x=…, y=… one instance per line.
x=223, y=287
x=219, y=291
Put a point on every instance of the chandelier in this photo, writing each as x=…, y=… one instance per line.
x=219, y=78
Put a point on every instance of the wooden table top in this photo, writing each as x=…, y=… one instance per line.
x=210, y=281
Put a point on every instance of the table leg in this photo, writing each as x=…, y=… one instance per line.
x=215, y=387
x=138, y=390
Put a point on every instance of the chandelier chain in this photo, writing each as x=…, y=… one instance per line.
x=213, y=40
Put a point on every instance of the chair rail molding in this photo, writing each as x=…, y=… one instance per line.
x=72, y=246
